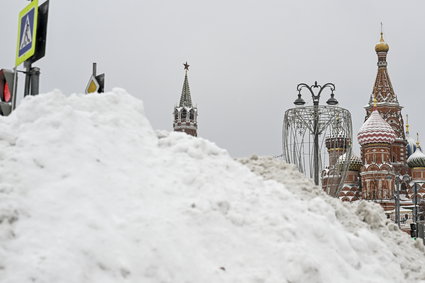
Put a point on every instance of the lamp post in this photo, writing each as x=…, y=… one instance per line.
x=398, y=180
x=415, y=200
x=316, y=97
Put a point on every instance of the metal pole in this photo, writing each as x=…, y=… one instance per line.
x=316, y=144
x=35, y=80
x=15, y=87
x=416, y=202
x=94, y=69
x=397, y=203
x=27, y=78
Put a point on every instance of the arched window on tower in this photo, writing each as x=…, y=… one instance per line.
x=191, y=114
x=176, y=114
x=184, y=114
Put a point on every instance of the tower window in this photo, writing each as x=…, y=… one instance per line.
x=184, y=114
x=191, y=114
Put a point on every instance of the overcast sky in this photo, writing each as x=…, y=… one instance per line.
x=246, y=57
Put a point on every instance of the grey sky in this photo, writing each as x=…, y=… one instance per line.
x=246, y=57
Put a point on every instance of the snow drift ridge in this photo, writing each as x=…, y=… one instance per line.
x=89, y=192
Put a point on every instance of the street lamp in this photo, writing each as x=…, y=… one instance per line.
x=316, y=97
x=398, y=180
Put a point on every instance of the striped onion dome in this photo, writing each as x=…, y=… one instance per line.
x=417, y=159
x=355, y=162
x=375, y=130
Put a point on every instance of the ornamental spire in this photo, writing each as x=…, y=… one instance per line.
x=407, y=125
x=383, y=89
x=375, y=101
x=185, y=99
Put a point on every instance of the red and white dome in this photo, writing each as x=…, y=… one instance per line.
x=375, y=130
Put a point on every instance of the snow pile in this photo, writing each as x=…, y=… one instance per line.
x=89, y=192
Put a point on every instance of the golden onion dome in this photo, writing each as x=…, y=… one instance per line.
x=382, y=46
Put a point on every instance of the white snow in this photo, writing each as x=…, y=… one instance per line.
x=89, y=192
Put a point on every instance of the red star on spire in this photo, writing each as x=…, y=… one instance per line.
x=186, y=66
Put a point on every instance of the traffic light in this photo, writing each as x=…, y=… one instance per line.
x=413, y=230
x=7, y=78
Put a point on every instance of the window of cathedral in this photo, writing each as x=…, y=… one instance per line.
x=184, y=114
x=191, y=114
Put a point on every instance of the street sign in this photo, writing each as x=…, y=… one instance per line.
x=96, y=82
x=40, y=49
x=93, y=85
x=27, y=32
x=101, y=80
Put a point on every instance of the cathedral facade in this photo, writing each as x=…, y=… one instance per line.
x=387, y=151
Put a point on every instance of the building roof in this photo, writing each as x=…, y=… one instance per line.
x=355, y=162
x=376, y=130
x=417, y=159
x=382, y=46
x=383, y=90
x=185, y=99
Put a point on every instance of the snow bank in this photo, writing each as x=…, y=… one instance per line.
x=89, y=192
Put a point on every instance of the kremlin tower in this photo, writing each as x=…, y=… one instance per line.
x=185, y=114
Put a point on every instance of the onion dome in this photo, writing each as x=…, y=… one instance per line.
x=411, y=146
x=376, y=130
x=354, y=164
x=382, y=46
x=417, y=159
x=338, y=140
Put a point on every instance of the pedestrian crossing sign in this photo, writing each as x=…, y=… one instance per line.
x=27, y=29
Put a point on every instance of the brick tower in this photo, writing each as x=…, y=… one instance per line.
x=389, y=108
x=185, y=114
x=376, y=138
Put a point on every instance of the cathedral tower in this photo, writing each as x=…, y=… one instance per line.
x=376, y=138
x=185, y=114
x=389, y=108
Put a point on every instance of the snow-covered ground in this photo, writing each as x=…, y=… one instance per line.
x=89, y=192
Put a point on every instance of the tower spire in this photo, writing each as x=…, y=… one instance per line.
x=185, y=98
x=185, y=114
x=407, y=125
x=375, y=102
x=383, y=89
x=384, y=100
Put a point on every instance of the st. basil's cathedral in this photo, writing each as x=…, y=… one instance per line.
x=386, y=149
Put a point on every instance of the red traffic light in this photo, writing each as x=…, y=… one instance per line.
x=6, y=85
x=7, y=79
x=6, y=93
